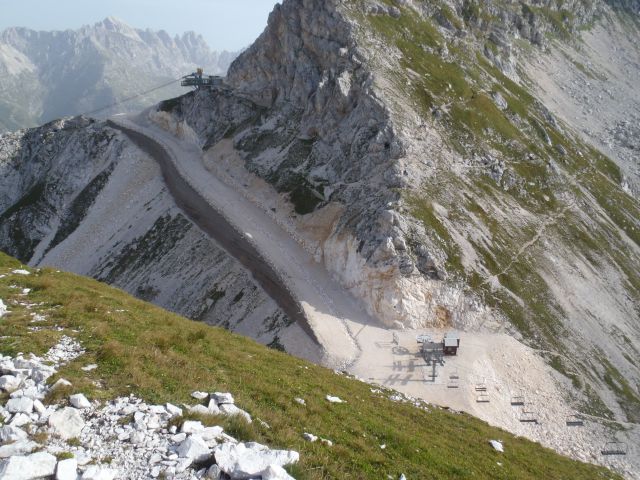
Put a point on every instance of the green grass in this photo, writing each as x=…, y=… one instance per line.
x=162, y=357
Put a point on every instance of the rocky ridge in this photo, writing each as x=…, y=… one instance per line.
x=54, y=205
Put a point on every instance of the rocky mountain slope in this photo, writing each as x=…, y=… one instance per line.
x=48, y=75
x=451, y=194
x=452, y=164
x=113, y=218
x=100, y=365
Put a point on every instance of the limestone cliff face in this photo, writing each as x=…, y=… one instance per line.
x=456, y=196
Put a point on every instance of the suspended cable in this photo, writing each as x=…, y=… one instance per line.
x=133, y=97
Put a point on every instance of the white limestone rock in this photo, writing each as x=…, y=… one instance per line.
x=230, y=409
x=21, y=447
x=61, y=382
x=332, y=399
x=497, y=445
x=173, y=410
x=39, y=407
x=30, y=467
x=191, y=426
x=66, y=423
x=95, y=472
x=222, y=398
x=214, y=473
x=247, y=460
x=20, y=419
x=213, y=407
x=194, y=448
x=199, y=410
x=20, y=405
x=9, y=433
x=67, y=469
x=79, y=401
x=10, y=383
x=309, y=437
x=211, y=433
x=275, y=472
x=199, y=395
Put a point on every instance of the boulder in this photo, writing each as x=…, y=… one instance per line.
x=20, y=405
x=231, y=409
x=21, y=447
x=67, y=469
x=222, y=398
x=9, y=383
x=66, y=423
x=95, y=472
x=173, y=410
x=30, y=467
x=199, y=410
x=211, y=433
x=213, y=407
x=194, y=448
x=199, y=395
x=247, y=460
x=79, y=401
x=11, y=434
x=275, y=472
x=191, y=427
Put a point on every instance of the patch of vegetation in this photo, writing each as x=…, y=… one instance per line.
x=162, y=357
x=628, y=399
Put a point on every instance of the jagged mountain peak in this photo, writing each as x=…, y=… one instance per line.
x=74, y=71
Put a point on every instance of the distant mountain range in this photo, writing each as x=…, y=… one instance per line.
x=47, y=75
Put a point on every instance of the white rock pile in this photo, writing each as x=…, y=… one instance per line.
x=122, y=439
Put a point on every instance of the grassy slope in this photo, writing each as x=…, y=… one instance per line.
x=160, y=356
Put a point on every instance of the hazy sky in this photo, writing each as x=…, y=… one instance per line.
x=225, y=24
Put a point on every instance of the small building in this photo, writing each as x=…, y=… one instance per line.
x=450, y=343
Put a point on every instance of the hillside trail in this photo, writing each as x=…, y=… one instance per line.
x=333, y=315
